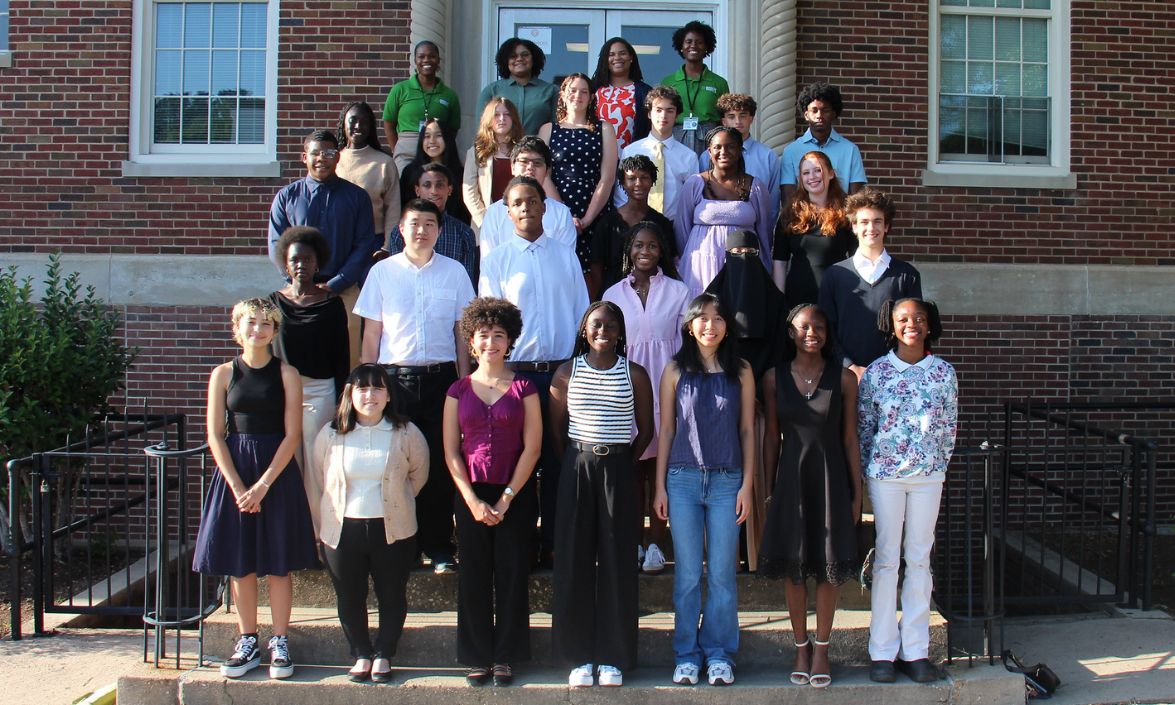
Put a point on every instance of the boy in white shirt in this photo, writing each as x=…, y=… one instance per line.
x=675, y=162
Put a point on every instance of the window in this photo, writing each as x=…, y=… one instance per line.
x=204, y=88
x=1000, y=97
x=5, y=52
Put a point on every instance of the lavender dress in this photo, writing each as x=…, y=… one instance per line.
x=702, y=224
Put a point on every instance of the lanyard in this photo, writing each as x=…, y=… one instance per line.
x=426, y=97
x=690, y=98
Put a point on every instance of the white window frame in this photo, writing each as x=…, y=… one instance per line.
x=6, y=54
x=1057, y=173
x=195, y=160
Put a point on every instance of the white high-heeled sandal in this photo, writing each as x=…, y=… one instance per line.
x=802, y=677
x=820, y=680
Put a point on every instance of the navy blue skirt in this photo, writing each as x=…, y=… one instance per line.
x=274, y=541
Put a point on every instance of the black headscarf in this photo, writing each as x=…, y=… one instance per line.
x=745, y=286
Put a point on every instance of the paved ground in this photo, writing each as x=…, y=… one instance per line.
x=1129, y=659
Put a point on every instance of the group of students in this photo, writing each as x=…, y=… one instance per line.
x=652, y=337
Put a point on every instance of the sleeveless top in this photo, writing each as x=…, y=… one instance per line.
x=256, y=399
x=708, y=409
x=601, y=407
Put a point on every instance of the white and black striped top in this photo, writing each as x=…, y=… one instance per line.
x=600, y=403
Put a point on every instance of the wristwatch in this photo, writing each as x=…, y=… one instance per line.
x=508, y=493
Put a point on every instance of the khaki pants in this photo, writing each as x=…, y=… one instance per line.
x=354, y=323
x=405, y=150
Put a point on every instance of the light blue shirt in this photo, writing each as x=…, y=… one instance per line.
x=844, y=155
x=762, y=163
x=545, y=281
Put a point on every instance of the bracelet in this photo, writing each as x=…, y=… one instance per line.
x=261, y=481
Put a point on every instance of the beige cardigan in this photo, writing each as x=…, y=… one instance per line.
x=406, y=473
x=475, y=188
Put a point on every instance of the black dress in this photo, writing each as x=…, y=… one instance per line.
x=809, y=531
x=808, y=255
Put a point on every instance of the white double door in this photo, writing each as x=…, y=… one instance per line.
x=571, y=38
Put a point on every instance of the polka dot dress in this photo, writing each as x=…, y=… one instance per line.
x=577, y=154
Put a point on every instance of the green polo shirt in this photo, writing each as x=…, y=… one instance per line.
x=408, y=105
x=698, y=95
x=534, y=101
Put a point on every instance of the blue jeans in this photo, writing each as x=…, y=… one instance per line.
x=702, y=516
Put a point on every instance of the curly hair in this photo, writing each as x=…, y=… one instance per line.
x=488, y=312
x=502, y=59
x=255, y=307
x=664, y=93
x=823, y=92
x=802, y=215
x=637, y=162
x=486, y=142
x=696, y=27
x=561, y=113
x=736, y=101
x=603, y=75
x=885, y=320
x=871, y=198
x=305, y=235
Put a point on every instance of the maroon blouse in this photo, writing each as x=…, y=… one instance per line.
x=491, y=433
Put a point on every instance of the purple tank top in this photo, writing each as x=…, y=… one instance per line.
x=708, y=408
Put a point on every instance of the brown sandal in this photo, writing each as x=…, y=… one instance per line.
x=502, y=674
x=477, y=676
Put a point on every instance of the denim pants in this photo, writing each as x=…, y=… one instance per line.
x=702, y=518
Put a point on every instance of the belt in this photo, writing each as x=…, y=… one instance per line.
x=602, y=448
x=544, y=366
x=417, y=370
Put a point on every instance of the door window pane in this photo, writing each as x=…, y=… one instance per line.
x=654, y=48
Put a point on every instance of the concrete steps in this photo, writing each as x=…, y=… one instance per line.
x=428, y=592
x=981, y=685
x=429, y=640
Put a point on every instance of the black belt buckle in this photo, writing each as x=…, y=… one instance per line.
x=544, y=366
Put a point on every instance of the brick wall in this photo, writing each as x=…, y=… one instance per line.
x=1123, y=73
x=66, y=121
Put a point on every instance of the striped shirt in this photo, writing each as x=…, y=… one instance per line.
x=601, y=407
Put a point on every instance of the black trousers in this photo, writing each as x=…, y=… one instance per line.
x=363, y=550
x=595, y=612
x=548, y=467
x=422, y=399
x=493, y=602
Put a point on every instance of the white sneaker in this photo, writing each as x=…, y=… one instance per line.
x=719, y=673
x=640, y=556
x=654, y=560
x=610, y=676
x=581, y=676
x=685, y=674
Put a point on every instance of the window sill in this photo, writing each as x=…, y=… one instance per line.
x=5, y=59
x=1001, y=177
x=249, y=170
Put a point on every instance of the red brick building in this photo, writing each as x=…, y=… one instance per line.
x=1031, y=144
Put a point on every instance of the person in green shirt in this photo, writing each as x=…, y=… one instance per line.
x=410, y=103
x=698, y=86
x=520, y=61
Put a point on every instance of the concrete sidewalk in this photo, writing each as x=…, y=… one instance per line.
x=1128, y=659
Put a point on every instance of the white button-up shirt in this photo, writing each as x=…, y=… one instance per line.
x=680, y=163
x=417, y=307
x=869, y=270
x=544, y=279
x=497, y=227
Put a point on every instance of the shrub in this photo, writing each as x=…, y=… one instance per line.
x=60, y=359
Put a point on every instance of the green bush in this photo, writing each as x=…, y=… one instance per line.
x=60, y=359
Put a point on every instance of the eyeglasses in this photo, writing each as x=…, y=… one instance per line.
x=325, y=153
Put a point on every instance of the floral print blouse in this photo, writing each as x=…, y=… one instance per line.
x=907, y=417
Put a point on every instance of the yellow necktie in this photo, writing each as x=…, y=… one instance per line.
x=657, y=193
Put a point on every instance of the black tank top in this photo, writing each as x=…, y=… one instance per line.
x=256, y=400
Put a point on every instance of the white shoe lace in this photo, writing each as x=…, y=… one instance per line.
x=245, y=647
x=279, y=650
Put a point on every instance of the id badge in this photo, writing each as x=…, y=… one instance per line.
x=690, y=123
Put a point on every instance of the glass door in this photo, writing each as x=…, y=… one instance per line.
x=570, y=38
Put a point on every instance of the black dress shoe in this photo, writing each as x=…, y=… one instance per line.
x=882, y=672
x=919, y=670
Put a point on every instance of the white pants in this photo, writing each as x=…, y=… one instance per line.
x=318, y=408
x=911, y=503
